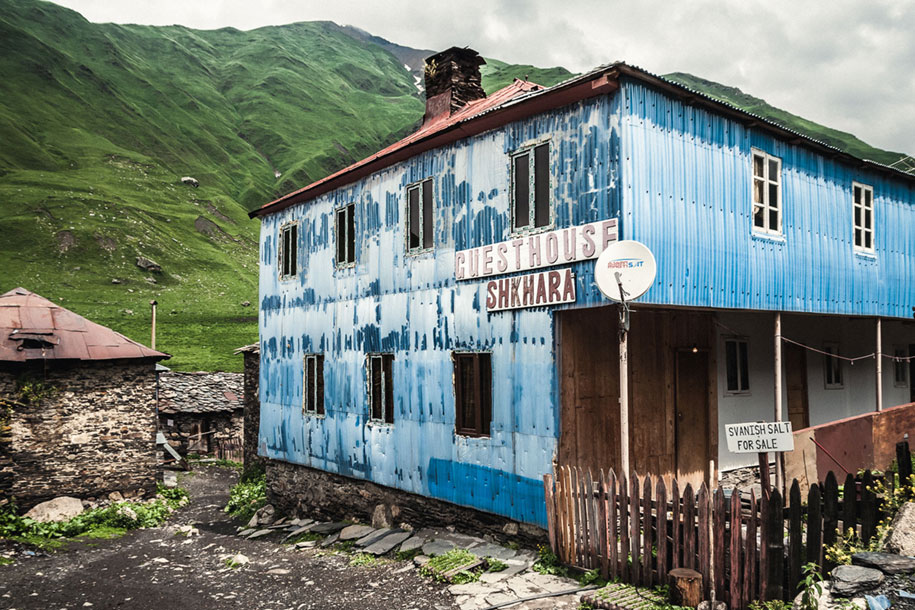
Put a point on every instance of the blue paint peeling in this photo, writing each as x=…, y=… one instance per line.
x=676, y=177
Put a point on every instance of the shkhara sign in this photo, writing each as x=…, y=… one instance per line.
x=559, y=247
x=532, y=290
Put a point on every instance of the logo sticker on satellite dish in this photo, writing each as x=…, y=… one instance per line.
x=626, y=266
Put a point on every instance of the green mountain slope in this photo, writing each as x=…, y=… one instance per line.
x=734, y=96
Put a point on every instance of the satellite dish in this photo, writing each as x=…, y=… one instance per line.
x=629, y=264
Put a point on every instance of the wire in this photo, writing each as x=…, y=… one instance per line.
x=825, y=353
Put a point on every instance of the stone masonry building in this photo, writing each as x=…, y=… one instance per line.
x=77, y=405
x=200, y=412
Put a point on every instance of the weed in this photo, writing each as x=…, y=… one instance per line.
x=439, y=565
x=591, y=577
x=408, y=555
x=548, y=563
x=104, y=532
x=810, y=586
x=495, y=565
x=306, y=537
x=231, y=562
x=247, y=497
x=5, y=561
x=363, y=559
x=772, y=604
x=346, y=546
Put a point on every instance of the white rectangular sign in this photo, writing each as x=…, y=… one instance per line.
x=542, y=289
x=536, y=251
x=759, y=437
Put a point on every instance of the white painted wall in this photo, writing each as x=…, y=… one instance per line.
x=855, y=337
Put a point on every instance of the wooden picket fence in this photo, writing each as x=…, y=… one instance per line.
x=746, y=548
x=229, y=449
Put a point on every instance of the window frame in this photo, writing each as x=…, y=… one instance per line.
x=387, y=387
x=483, y=425
x=291, y=227
x=829, y=360
x=901, y=363
x=318, y=409
x=766, y=205
x=349, y=230
x=743, y=389
x=855, y=225
x=419, y=186
x=530, y=150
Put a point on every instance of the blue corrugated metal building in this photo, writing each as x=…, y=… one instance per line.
x=395, y=350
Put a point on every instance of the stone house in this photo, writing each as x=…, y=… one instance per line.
x=77, y=404
x=200, y=412
x=252, y=356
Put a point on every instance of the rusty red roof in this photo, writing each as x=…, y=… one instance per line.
x=34, y=328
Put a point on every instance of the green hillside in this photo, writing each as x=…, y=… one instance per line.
x=734, y=96
x=497, y=74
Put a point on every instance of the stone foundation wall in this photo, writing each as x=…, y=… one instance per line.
x=252, y=408
x=94, y=435
x=295, y=489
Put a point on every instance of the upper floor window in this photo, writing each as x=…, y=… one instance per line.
x=381, y=387
x=472, y=393
x=863, y=204
x=531, y=188
x=832, y=366
x=419, y=216
x=313, y=385
x=346, y=235
x=288, y=250
x=737, y=365
x=767, y=193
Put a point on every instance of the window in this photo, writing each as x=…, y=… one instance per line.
x=863, y=204
x=738, y=370
x=313, y=385
x=833, y=367
x=381, y=388
x=419, y=216
x=531, y=188
x=346, y=235
x=472, y=393
x=767, y=199
x=900, y=367
x=288, y=250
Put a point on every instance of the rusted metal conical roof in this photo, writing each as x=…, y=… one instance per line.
x=34, y=328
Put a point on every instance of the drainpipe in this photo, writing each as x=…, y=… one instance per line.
x=779, y=473
x=879, y=364
x=153, y=341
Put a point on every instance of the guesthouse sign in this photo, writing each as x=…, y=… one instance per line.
x=536, y=251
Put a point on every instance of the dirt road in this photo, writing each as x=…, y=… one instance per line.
x=155, y=568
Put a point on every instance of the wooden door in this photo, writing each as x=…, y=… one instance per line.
x=796, y=385
x=692, y=408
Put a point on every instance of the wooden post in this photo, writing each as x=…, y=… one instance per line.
x=153, y=341
x=685, y=587
x=624, y=402
x=765, y=475
x=779, y=473
x=879, y=364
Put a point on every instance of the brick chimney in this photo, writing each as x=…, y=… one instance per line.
x=452, y=80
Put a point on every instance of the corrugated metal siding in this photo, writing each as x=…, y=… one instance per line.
x=687, y=181
x=411, y=306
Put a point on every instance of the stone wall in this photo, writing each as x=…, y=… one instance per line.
x=252, y=408
x=181, y=430
x=94, y=435
x=295, y=489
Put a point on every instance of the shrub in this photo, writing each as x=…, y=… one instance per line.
x=548, y=562
x=247, y=497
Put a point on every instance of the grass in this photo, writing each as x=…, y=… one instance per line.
x=439, y=565
x=363, y=560
x=104, y=532
x=247, y=496
x=5, y=561
x=306, y=537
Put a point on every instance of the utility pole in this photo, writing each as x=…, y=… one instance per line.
x=879, y=364
x=624, y=378
x=153, y=342
x=779, y=472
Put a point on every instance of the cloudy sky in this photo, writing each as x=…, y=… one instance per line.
x=849, y=64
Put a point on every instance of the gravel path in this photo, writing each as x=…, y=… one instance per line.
x=155, y=568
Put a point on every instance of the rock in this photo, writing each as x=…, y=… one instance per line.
x=238, y=560
x=252, y=522
x=116, y=496
x=189, y=181
x=848, y=580
x=488, y=549
x=297, y=531
x=246, y=532
x=259, y=534
x=885, y=562
x=437, y=547
x=827, y=601
x=330, y=541
x=115, y=280
x=510, y=529
x=127, y=512
x=384, y=545
x=356, y=531
x=187, y=530
x=246, y=303
x=327, y=528
x=306, y=544
x=902, y=531
x=63, y=508
x=373, y=537
x=277, y=572
x=151, y=280
x=420, y=560
x=147, y=265
x=382, y=517
x=265, y=515
x=412, y=543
